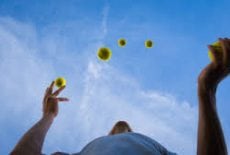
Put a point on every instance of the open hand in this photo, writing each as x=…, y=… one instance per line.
x=50, y=101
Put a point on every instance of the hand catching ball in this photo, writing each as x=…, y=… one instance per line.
x=121, y=42
x=148, y=43
x=60, y=82
x=104, y=53
x=217, y=47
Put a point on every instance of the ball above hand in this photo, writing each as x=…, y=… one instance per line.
x=60, y=82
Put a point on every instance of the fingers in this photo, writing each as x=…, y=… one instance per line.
x=62, y=99
x=55, y=100
x=57, y=92
x=51, y=87
x=225, y=44
x=52, y=97
x=50, y=102
x=58, y=98
x=48, y=91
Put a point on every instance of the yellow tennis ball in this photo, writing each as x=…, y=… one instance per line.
x=210, y=55
x=121, y=42
x=104, y=53
x=217, y=46
x=148, y=43
x=60, y=82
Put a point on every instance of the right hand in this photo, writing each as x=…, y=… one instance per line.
x=218, y=69
x=50, y=101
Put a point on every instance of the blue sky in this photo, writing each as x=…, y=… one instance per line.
x=154, y=89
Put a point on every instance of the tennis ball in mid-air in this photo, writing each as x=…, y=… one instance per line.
x=121, y=42
x=148, y=44
x=104, y=53
x=217, y=46
x=60, y=82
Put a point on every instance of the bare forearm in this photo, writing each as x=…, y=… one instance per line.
x=210, y=134
x=32, y=141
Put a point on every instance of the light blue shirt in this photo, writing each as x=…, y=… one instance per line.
x=123, y=144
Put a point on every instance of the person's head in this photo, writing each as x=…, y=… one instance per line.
x=120, y=127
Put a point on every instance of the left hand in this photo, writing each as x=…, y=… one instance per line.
x=50, y=101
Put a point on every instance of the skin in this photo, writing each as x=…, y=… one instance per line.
x=210, y=135
x=120, y=127
x=31, y=143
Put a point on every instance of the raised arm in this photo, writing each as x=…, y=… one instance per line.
x=31, y=143
x=210, y=135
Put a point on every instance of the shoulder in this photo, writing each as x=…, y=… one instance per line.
x=63, y=153
x=131, y=141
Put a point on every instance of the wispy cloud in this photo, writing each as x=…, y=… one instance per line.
x=22, y=79
x=105, y=14
x=116, y=96
x=100, y=95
